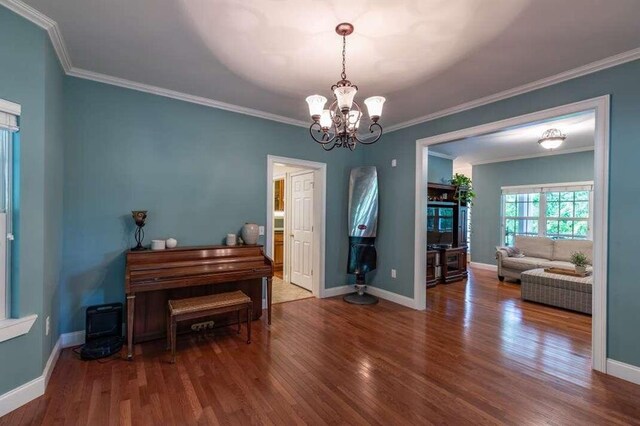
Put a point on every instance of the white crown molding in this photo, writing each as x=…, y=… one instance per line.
x=53, y=30
x=525, y=157
x=10, y=107
x=596, y=66
x=155, y=90
x=46, y=23
x=57, y=40
x=438, y=154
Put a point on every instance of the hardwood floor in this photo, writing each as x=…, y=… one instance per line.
x=478, y=355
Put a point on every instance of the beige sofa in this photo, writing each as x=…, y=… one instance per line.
x=540, y=252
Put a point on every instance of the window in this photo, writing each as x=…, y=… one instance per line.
x=554, y=210
x=8, y=127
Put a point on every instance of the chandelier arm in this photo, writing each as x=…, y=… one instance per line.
x=371, y=129
x=323, y=140
x=324, y=146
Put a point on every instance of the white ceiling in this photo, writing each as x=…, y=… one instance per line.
x=522, y=141
x=423, y=55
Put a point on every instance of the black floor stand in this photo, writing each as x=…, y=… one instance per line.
x=360, y=297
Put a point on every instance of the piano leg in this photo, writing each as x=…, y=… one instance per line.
x=269, y=286
x=131, y=303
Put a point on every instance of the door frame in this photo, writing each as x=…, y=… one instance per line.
x=319, y=216
x=601, y=107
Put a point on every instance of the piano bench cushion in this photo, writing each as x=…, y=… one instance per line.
x=204, y=303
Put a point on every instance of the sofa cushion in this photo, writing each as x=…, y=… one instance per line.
x=535, y=246
x=523, y=263
x=563, y=249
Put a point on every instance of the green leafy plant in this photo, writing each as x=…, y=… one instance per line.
x=578, y=258
x=464, y=191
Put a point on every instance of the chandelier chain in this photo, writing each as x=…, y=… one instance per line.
x=344, y=58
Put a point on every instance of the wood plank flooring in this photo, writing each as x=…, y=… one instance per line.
x=478, y=355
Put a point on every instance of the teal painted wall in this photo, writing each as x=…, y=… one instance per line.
x=489, y=178
x=201, y=173
x=28, y=77
x=53, y=195
x=440, y=169
x=396, y=231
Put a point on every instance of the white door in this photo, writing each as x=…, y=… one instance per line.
x=302, y=229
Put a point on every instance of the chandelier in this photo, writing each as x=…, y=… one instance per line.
x=338, y=125
x=552, y=139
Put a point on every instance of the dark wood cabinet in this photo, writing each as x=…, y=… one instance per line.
x=278, y=250
x=278, y=195
x=432, y=263
x=447, y=229
x=453, y=264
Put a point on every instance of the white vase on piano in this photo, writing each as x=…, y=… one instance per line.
x=250, y=233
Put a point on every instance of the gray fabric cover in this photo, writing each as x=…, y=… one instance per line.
x=557, y=290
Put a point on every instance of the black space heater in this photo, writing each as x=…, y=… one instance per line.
x=103, y=332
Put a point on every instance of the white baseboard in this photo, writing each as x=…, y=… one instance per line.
x=485, y=266
x=392, y=297
x=623, y=371
x=74, y=338
x=29, y=391
x=338, y=291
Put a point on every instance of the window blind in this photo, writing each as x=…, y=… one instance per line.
x=8, y=121
x=564, y=187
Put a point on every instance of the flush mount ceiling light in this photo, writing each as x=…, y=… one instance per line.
x=552, y=139
x=338, y=125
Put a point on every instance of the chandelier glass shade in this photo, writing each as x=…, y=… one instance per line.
x=552, y=139
x=337, y=126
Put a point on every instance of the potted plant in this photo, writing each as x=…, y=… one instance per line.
x=464, y=191
x=579, y=259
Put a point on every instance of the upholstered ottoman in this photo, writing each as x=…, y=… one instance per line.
x=558, y=290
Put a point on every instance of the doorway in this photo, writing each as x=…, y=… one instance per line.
x=600, y=107
x=295, y=227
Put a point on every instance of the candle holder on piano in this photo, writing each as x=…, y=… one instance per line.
x=139, y=217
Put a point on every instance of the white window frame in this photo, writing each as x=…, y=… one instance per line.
x=9, y=115
x=542, y=216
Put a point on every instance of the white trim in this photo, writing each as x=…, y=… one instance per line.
x=446, y=156
x=10, y=107
x=611, y=61
x=623, y=371
x=338, y=291
x=319, y=216
x=391, y=297
x=31, y=390
x=57, y=40
x=19, y=396
x=601, y=106
x=167, y=93
x=525, y=157
x=483, y=266
x=74, y=338
x=43, y=21
x=548, y=185
x=14, y=327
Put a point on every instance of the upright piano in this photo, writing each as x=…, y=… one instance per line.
x=154, y=277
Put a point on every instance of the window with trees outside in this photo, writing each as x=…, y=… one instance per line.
x=558, y=211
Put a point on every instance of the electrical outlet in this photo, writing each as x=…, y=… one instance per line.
x=393, y=273
x=394, y=163
x=47, y=327
x=261, y=230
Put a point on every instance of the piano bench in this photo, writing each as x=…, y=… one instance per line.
x=206, y=306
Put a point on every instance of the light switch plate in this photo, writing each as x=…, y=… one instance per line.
x=394, y=163
x=261, y=230
x=393, y=273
